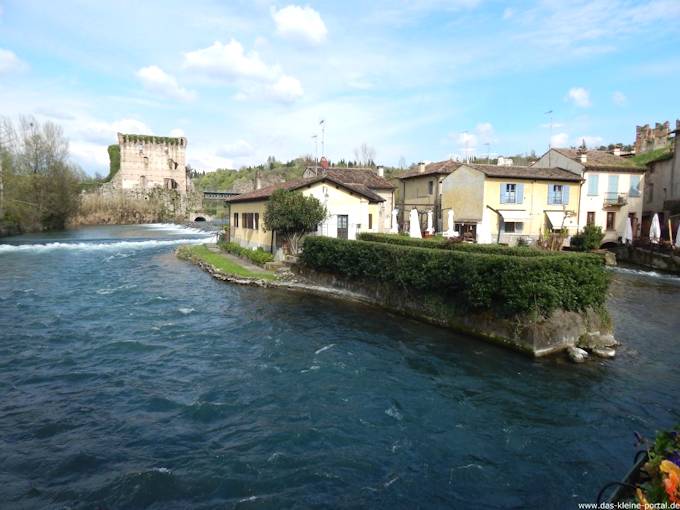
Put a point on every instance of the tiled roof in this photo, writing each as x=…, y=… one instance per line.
x=441, y=167
x=364, y=176
x=527, y=172
x=264, y=193
x=600, y=160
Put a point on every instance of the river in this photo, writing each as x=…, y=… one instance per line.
x=130, y=379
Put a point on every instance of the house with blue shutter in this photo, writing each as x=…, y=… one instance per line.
x=611, y=193
x=501, y=204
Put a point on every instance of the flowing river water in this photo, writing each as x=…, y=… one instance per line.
x=130, y=379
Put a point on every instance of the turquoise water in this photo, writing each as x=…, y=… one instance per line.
x=130, y=379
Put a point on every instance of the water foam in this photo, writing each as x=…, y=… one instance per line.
x=173, y=228
x=120, y=245
x=642, y=272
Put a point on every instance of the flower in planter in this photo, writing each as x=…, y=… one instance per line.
x=671, y=481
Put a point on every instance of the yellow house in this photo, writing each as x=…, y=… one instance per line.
x=351, y=209
x=503, y=203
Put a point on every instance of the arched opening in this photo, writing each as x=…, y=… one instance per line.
x=199, y=218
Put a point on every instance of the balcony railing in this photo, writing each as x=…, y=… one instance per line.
x=614, y=199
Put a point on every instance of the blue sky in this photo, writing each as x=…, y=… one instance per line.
x=422, y=80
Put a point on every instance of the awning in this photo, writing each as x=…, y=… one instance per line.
x=514, y=215
x=556, y=218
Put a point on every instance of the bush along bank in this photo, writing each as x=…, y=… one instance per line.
x=537, y=304
x=259, y=256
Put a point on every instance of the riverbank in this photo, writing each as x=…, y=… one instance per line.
x=531, y=334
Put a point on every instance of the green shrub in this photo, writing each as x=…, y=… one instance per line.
x=507, y=285
x=259, y=256
x=588, y=239
x=455, y=245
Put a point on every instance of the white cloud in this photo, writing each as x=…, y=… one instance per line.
x=619, y=98
x=9, y=62
x=508, y=13
x=158, y=81
x=485, y=131
x=177, y=132
x=105, y=132
x=237, y=149
x=300, y=23
x=579, y=96
x=559, y=140
x=286, y=89
x=591, y=142
x=88, y=154
x=229, y=62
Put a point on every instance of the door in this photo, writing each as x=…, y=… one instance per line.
x=342, y=226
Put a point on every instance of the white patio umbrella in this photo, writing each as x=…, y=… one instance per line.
x=655, y=229
x=414, y=229
x=677, y=237
x=430, y=229
x=451, y=232
x=395, y=224
x=483, y=231
x=628, y=234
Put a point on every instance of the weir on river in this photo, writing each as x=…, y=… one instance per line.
x=132, y=379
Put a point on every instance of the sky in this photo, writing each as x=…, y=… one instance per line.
x=420, y=80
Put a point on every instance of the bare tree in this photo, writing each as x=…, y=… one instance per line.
x=402, y=162
x=364, y=154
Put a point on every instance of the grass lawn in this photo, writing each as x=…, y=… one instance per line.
x=221, y=262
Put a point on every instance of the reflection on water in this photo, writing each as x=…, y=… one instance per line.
x=131, y=379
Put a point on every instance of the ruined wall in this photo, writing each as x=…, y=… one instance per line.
x=148, y=162
x=649, y=139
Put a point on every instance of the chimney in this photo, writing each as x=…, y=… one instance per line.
x=381, y=172
x=421, y=167
x=258, y=181
x=617, y=151
x=584, y=158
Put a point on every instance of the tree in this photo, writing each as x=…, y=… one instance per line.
x=365, y=154
x=292, y=215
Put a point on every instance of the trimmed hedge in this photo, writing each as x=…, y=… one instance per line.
x=506, y=285
x=445, y=244
x=259, y=256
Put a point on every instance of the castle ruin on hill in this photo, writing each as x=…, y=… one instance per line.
x=649, y=139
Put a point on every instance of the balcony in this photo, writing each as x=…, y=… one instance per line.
x=614, y=199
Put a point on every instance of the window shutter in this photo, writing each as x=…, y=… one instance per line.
x=257, y=221
x=519, y=193
x=565, y=194
x=550, y=194
x=504, y=196
x=613, y=184
x=593, y=181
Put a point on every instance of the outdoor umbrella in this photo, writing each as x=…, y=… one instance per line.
x=430, y=230
x=395, y=224
x=451, y=232
x=414, y=230
x=628, y=235
x=655, y=229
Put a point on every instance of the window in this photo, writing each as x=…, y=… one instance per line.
x=590, y=218
x=370, y=222
x=611, y=220
x=593, y=182
x=513, y=227
x=558, y=194
x=250, y=220
x=634, y=190
x=430, y=187
x=236, y=220
x=512, y=193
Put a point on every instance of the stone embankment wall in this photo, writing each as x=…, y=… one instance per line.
x=648, y=258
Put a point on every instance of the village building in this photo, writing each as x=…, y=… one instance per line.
x=501, y=204
x=650, y=139
x=370, y=178
x=421, y=189
x=148, y=162
x=662, y=190
x=611, y=191
x=351, y=208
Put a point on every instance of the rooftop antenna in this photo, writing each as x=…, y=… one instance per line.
x=323, y=137
x=550, y=112
x=316, y=151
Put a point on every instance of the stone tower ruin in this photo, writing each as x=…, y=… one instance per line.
x=649, y=139
x=148, y=162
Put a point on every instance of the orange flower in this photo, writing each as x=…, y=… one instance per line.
x=672, y=480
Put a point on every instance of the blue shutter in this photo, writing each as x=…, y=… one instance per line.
x=550, y=195
x=519, y=193
x=593, y=181
x=634, y=186
x=613, y=186
x=504, y=196
x=565, y=194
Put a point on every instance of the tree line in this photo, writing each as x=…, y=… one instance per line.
x=39, y=185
